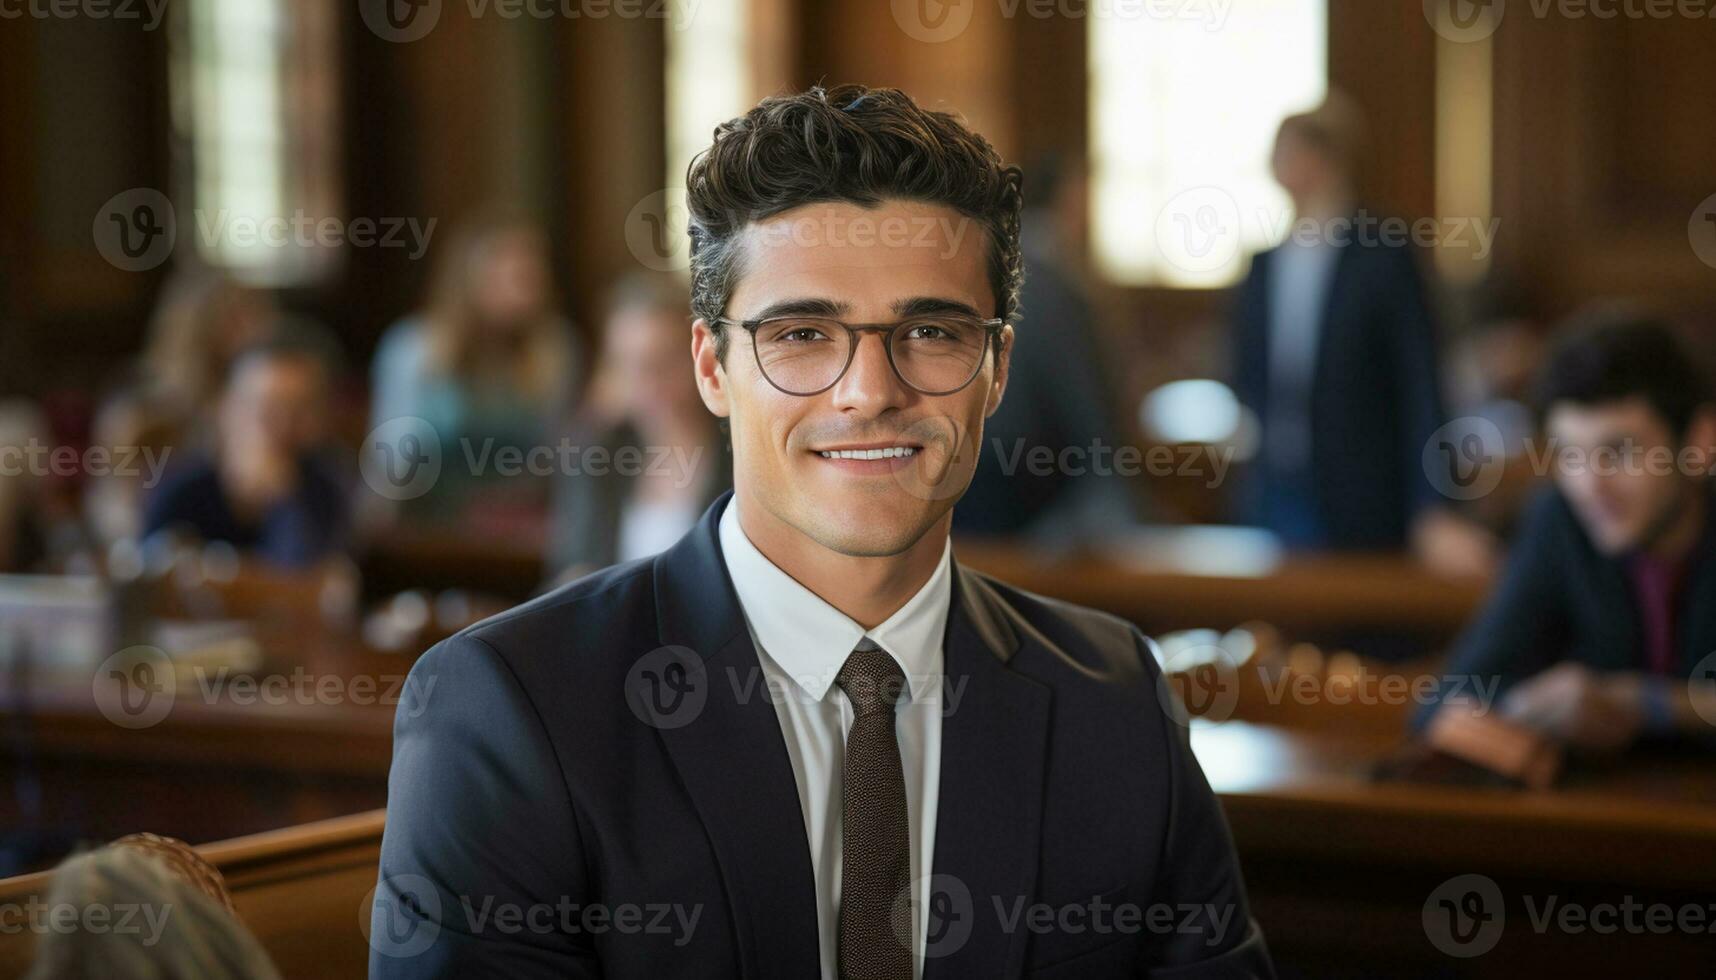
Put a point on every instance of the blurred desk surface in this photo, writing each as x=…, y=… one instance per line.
x=1345, y=874
x=1339, y=867
x=1295, y=791
x=1310, y=794
x=507, y=565
x=1177, y=578
x=306, y=736
x=1162, y=578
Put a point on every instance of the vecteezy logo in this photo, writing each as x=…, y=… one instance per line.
x=1701, y=688
x=135, y=687
x=668, y=687
x=135, y=229
x=945, y=447
x=1465, y=459
x=1464, y=21
x=933, y=21
x=948, y=915
x=657, y=231
x=1701, y=231
x=1464, y=916
x=1202, y=680
x=1198, y=230
x=401, y=458
x=401, y=915
x=400, y=21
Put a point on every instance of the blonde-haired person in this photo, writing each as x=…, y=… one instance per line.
x=165, y=915
x=643, y=411
x=488, y=363
x=202, y=321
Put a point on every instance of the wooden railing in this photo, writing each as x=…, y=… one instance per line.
x=302, y=890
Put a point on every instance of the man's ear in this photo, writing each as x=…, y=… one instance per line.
x=711, y=375
x=1003, y=364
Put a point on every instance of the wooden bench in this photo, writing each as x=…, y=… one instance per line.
x=302, y=890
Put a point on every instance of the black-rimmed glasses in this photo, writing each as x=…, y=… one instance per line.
x=935, y=354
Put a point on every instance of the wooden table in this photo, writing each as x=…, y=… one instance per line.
x=1338, y=867
x=1162, y=578
x=1179, y=578
x=314, y=744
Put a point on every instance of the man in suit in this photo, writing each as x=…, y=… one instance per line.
x=1057, y=395
x=804, y=741
x=1602, y=632
x=1335, y=352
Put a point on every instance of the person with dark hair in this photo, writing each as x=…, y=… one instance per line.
x=823, y=745
x=1334, y=351
x=266, y=489
x=1608, y=605
x=1057, y=397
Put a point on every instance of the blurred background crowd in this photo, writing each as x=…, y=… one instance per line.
x=321, y=322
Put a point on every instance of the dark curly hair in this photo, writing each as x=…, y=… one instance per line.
x=1607, y=357
x=853, y=144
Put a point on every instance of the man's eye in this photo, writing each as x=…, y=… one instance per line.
x=928, y=331
x=800, y=335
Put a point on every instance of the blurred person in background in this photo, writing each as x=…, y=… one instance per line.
x=1608, y=604
x=489, y=363
x=167, y=404
x=1491, y=370
x=22, y=532
x=163, y=914
x=662, y=457
x=1057, y=397
x=1335, y=353
x=267, y=488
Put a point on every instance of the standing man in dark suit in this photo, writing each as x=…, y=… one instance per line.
x=1602, y=633
x=805, y=741
x=1058, y=398
x=1335, y=353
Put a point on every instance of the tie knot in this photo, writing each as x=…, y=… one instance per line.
x=871, y=679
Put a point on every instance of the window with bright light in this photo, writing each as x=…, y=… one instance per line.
x=1183, y=115
x=255, y=114
x=708, y=82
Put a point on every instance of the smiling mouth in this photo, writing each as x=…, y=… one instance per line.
x=884, y=452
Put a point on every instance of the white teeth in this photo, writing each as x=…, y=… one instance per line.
x=887, y=453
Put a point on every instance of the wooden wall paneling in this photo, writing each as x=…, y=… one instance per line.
x=1601, y=160
x=611, y=144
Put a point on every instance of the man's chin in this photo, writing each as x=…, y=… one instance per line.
x=1614, y=540
x=868, y=529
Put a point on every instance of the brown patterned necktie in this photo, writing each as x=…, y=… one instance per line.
x=875, y=840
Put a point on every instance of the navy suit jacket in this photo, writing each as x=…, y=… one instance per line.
x=596, y=784
x=1375, y=394
x=1561, y=600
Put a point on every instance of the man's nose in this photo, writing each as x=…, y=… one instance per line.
x=870, y=385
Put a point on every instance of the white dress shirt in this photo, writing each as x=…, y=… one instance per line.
x=802, y=642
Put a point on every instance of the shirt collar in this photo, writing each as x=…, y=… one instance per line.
x=811, y=639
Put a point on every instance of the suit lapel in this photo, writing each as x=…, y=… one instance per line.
x=733, y=760
x=989, y=809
